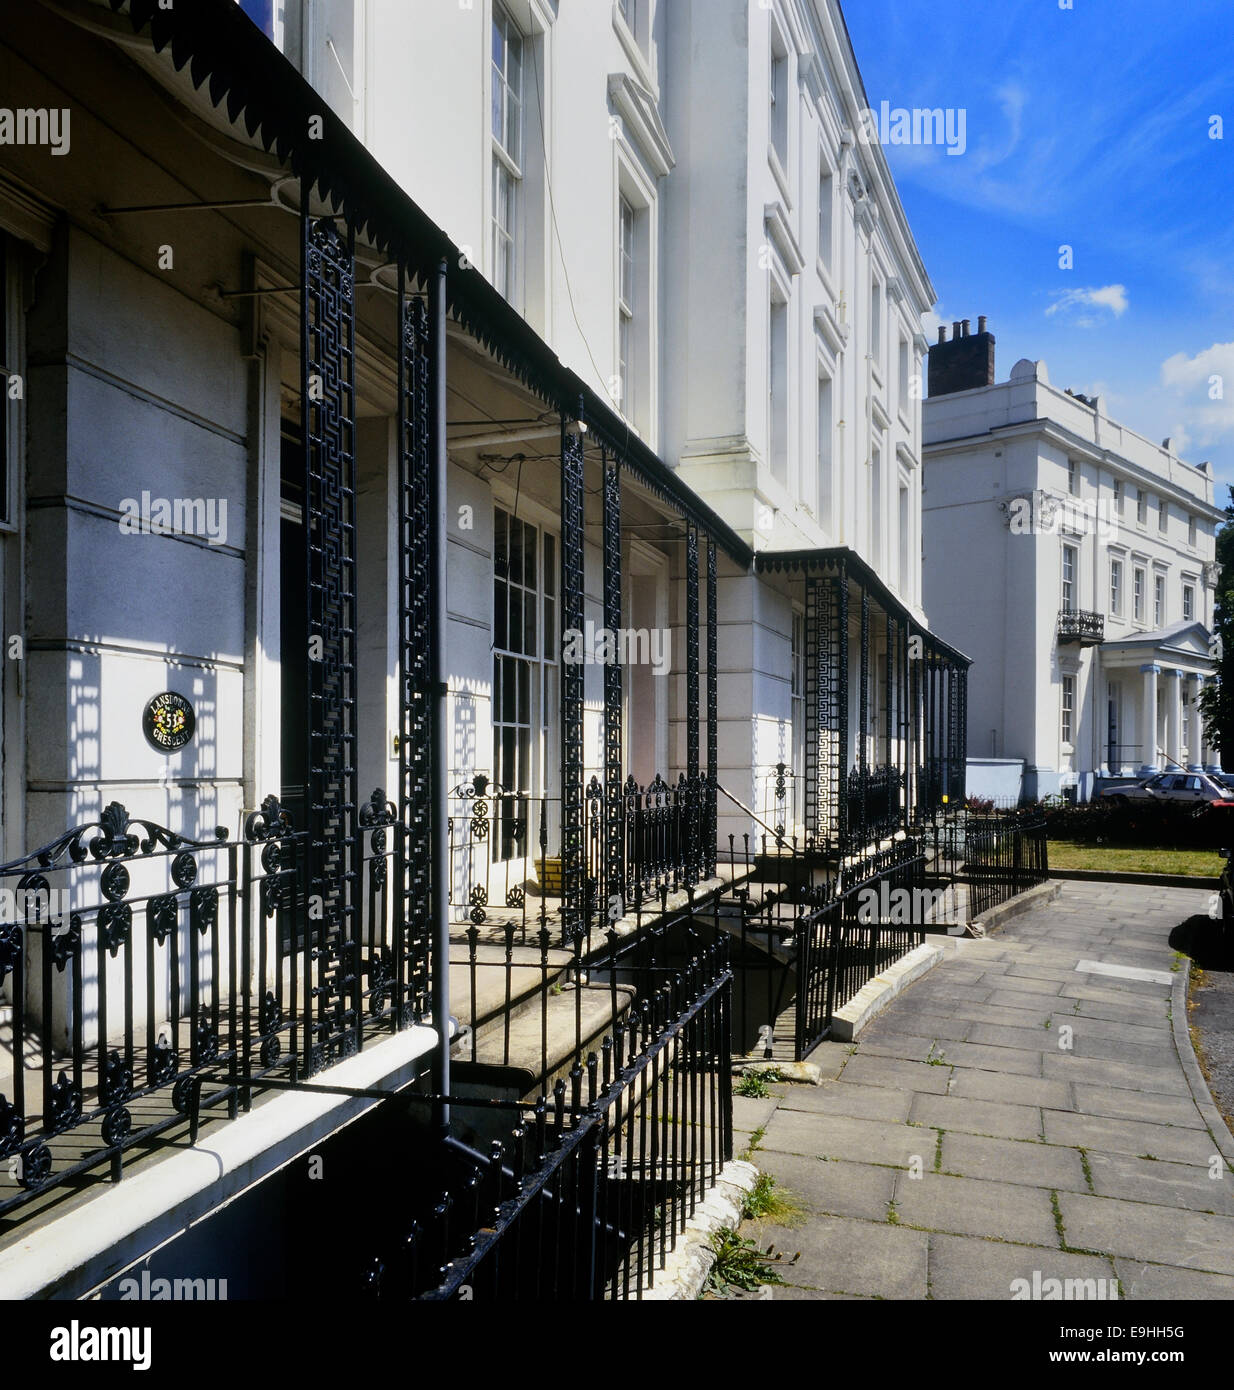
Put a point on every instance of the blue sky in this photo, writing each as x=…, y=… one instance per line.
x=1087, y=127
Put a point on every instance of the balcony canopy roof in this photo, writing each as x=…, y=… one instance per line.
x=259, y=87
x=839, y=558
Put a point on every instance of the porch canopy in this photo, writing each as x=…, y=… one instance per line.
x=1154, y=680
x=887, y=749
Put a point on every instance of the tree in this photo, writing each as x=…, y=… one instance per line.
x=1217, y=697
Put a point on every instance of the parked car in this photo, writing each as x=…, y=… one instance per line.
x=1188, y=788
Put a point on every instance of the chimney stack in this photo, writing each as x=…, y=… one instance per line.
x=965, y=363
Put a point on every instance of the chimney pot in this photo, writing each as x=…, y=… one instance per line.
x=955, y=329
x=981, y=321
x=966, y=322
x=942, y=333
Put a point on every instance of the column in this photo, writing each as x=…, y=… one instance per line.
x=1148, y=721
x=614, y=825
x=1174, y=719
x=1196, y=750
x=571, y=620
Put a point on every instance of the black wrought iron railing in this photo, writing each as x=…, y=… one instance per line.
x=1003, y=855
x=503, y=843
x=151, y=976
x=593, y=1189
x=875, y=801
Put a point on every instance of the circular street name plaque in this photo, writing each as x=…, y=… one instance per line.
x=168, y=722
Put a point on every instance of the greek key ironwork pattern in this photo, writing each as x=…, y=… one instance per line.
x=713, y=735
x=328, y=409
x=614, y=831
x=693, y=799
x=572, y=533
x=415, y=616
x=863, y=727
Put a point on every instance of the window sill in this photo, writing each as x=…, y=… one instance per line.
x=781, y=178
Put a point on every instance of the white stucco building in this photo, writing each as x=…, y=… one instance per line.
x=1075, y=560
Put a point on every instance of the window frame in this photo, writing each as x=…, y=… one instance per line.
x=1067, y=711
x=1158, y=600
x=508, y=164
x=1116, y=587
x=1069, y=582
x=1139, y=577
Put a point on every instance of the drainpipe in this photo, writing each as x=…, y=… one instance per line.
x=439, y=878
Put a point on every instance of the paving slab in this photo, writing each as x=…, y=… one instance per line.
x=848, y=1098
x=977, y=1116
x=830, y=1187
x=1009, y=1061
x=858, y=1141
x=1162, y=1183
x=1155, y=1234
x=1039, y=1039
x=1144, y=1281
x=1127, y=1136
x=961, y=1267
x=1027, y=1162
x=917, y=1076
x=1101, y=1071
x=841, y=1255
x=1119, y=1103
x=972, y=1084
x=910, y=1047
x=976, y=1207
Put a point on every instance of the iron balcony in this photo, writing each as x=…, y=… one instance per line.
x=1075, y=625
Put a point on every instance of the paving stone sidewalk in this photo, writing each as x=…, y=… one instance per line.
x=1009, y=1116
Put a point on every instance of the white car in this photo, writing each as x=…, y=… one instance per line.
x=1189, y=788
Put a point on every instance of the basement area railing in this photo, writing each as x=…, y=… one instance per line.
x=591, y=1192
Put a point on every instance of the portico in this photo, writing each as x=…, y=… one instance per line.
x=1150, y=685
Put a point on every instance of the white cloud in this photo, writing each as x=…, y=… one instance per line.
x=1203, y=387
x=931, y=323
x=1111, y=297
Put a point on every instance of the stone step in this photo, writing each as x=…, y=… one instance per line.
x=519, y=1071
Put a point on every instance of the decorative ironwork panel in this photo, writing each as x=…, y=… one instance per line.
x=826, y=771
x=962, y=732
x=713, y=728
x=572, y=532
x=863, y=718
x=614, y=830
x=692, y=742
x=416, y=614
x=840, y=697
x=328, y=414
x=904, y=708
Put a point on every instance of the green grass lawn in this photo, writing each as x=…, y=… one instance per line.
x=1071, y=854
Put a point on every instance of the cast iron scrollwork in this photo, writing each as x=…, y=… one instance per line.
x=65, y=1108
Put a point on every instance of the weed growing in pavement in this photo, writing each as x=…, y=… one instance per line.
x=755, y=1140
x=768, y=1201
x=753, y=1084
x=741, y=1264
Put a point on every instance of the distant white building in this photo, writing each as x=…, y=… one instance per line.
x=1074, y=561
